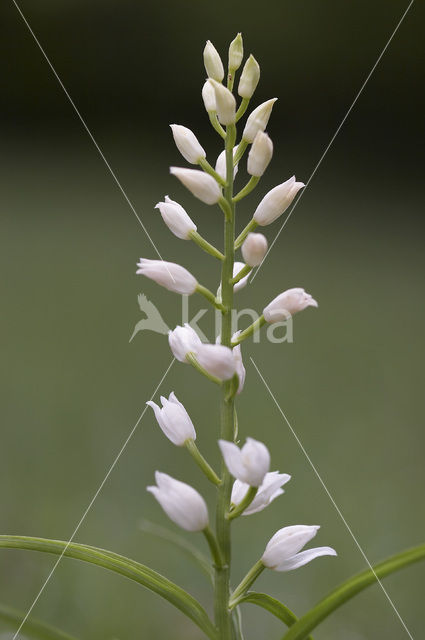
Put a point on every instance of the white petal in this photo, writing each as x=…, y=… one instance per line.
x=302, y=558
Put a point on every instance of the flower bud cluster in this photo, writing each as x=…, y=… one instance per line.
x=254, y=487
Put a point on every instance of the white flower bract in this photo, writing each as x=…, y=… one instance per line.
x=187, y=143
x=181, y=502
x=183, y=340
x=212, y=61
x=283, y=550
x=208, y=96
x=172, y=276
x=260, y=154
x=258, y=120
x=249, y=78
x=249, y=464
x=202, y=185
x=225, y=103
x=276, y=201
x=254, y=249
x=268, y=491
x=217, y=360
x=288, y=303
x=238, y=266
x=174, y=420
x=220, y=165
x=176, y=218
x=236, y=53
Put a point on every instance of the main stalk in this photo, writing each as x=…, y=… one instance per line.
x=222, y=575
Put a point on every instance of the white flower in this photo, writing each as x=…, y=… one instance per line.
x=183, y=340
x=220, y=165
x=174, y=420
x=240, y=369
x=182, y=504
x=217, y=360
x=212, y=62
x=249, y=78
x=202, y=185
x=208, y=96
x=176, y=218
x=288, y=303
x=258, y=120
x=260, y=154
x=172, y=276
x=225, y=103
x=236, y=53
x=254, y=249
x=249, y=464
x=238, y=266
x=282, y=551
x=267, y=491
x=187, y=143
x=276, y=201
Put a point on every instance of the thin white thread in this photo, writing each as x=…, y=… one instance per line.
x=319, y=477
x=334, y=136
x=92, y=501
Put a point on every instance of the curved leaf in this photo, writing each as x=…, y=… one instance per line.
x=33, y=628
x=273, y=606
x=350, y=588
x=125, y=567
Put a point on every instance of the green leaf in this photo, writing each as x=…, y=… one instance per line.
x=125, y=567
x=273, y=606
x=350, y=588
x=178, y=541
x=33, y=628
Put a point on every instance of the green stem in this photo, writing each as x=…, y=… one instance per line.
x=201, y=462
x=240, y=151
x=350, y=588
x=215, y=123
x=245, y=584
x=214, y=548
x=231, y=79
x=205, y=245
x=244, y=504
x=242, y=108
x=124, y=566
x=209, y=169
x=251, y=226
x=255, y=326
x=250, y=185
x=210, y=297
x=222, y=583
x=242, y=273
x=191, y=359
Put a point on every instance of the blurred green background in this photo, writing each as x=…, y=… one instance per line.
x=351, y=384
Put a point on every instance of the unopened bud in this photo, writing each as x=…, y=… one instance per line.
x=208, y=96
x=258, y=120
x=287, y=303
x=236, y=53
x=187, y=143
x=202, y=185
x=213, y=63
x=225, y=103
x=254, y=249
x=176, y=218
x=276, y=201
x=249, y=78
x=260, y=154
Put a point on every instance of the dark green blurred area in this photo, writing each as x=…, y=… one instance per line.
x=351, y=384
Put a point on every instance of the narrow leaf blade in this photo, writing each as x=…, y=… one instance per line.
x=131, y=569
